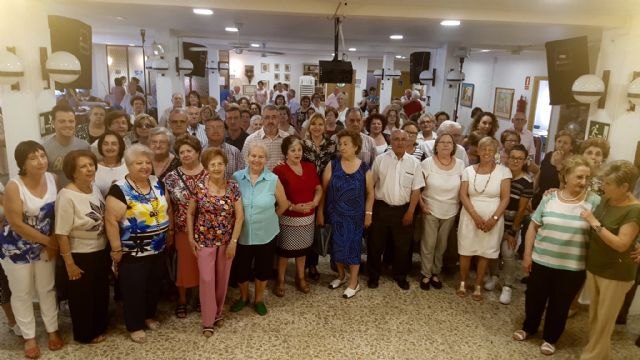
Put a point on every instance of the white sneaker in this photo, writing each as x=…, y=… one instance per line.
x=490, y=284
x=505, y=296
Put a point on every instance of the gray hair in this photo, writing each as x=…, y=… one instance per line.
x=177, y=94
x=447, y=126
x=179, y=111
x=163, y=131
x=349, y=110
x=426, y=116
x=270, y=107
x=257, y=145
x=136, y=150
x=255, y=118
x=415, y=95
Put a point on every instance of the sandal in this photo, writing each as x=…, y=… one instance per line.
x=98, y=339
x=56, y=343
x=314, y=274
x=547, y=349
x=477, y=294
x=519, y=335
x=278, y=289
x=181, y=311
x=219, y=322
x=302, y=286
x=207, y=331
x=138, y=336
x=152, y=324
x=462, y=291
x=32, y=352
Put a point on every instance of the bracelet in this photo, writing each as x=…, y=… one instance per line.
x=368, y=212
x=234, y=240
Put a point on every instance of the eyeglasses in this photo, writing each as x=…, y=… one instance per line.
x=145, y=126
x=511, y=140
x=515, y=158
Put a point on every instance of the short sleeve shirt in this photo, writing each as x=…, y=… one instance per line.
x=216, y=215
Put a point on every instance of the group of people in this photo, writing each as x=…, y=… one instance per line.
x=237, y=206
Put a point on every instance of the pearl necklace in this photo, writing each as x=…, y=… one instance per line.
x=572, y=199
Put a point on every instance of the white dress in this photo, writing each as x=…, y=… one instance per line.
x=471, y=240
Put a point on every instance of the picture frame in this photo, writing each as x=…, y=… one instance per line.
x=276, y=67
x=249, y=90
x=264, y=68
x=598, y=130
x=466, y=96
x=287, y=77
x=503, y=102
x=46, y=124
x=287, y=68
x=276, y=77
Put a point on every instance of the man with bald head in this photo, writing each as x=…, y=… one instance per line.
x=397, y=178
x=177, y=102
x=519, y=122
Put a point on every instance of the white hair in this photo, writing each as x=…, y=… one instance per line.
x=135, y=150
x=447, y=126
x=415, y=95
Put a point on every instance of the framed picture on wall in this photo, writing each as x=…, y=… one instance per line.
x=598, y=130
x=287, y=68
x=287, y=77
x=276, y=67
x=276, y=77
x=466, y=99
x=264, y=67
x=249, y=90
x=503, y=102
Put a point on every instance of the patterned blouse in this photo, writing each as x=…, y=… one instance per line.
x=82, y=132
x=217, y=217
x=180, y=195
x=319, y=156
x=144, y=225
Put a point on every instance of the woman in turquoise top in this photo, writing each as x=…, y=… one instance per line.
x=611, y=272
x=263, y=199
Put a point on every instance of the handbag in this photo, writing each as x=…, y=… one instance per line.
x=322, y=240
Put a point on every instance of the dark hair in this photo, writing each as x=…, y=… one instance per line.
x=355, y=138
x=305, y=98
x=284, y=108
x=258, y=105
x=562, y=133
x=193, y=92
x=121, y=144
x=117, y=81
x=522, y=148
x=135, y=79
x=376, y=116
x=61, y=107
x=439, y=138
x=23, y=151
x=503, y=136
x=242, y=111
x=275, y=101
x=415, y=117
x=600, y=143
x=373, y=88
x=137, y=97
x=113, y=115
x=410, y=123
x=244, y=98
x=474, y=138
x=316, y=95
x=332, y=110
x=494, y=122
x=475, y=111
x=69, y=161
x=232, y=107
x=187, y=140
x=210, y=153
x=441, y=113
x=288, y=142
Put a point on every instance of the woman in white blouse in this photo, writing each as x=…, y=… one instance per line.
x=111, y=168
x=439, y=203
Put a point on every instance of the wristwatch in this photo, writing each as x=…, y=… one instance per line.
x=495, y=218
x=597, y=228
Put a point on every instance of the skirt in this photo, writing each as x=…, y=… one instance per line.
x=296, y=236
x=187, y=270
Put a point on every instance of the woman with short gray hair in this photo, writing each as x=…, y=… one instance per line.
x=161, y=142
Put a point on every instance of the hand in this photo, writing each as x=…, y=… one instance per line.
x=116, y=257
x=526, y=263
x=407, y=219
x=231, y=250
x=557, y=157
x=169, y=239
x=425, y=208
x=635, y=254
x=74, y=271
x=320, y=218
x=489, y=224
x=194, y=248
x=588, y=215
x=479, y=222
x=511, y=240
x=367, y=220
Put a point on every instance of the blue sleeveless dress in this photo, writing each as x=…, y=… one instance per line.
x=345, y=203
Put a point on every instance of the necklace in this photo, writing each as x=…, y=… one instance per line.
x=450, y=161
x=153, y=200
x=486, y=184
x=572, y=199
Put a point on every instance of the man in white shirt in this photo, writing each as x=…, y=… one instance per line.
x=279, y=91
x=194, y=128
x=453, y=128
x=177, y=101
x=397, y=178
x=270, y=136
x=526, y=137
x=354, y=122
x=332, y=99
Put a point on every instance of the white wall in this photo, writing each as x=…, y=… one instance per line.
x=488, y=71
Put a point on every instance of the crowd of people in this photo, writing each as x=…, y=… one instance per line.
x=237, y=191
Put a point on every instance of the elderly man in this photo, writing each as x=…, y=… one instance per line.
x=332, y=99
x=353, y=120
x=194, y=127
x=215, y=138
x=177, y=102
x=519, y=122
x=178, y=120
x=397, y=178
x=449, y=127
x=63, y=140
x=236, y=135
x=270, y=136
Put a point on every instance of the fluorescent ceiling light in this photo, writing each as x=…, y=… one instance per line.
x=255, y=45
x=396, y=37
x=398, y=56
x=132, y=44
x=231, y=29
x=485, y=50
x=450, y=22
x=203, y=11
x=352, y=49
x=121, y=18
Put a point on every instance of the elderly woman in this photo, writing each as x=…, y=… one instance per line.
x=182, y=184
x=615, y=225
x=255, y=124
x=118, y=122
x=484, y=193
x=111, y=168
x=508, y=139
x=412, y=148
x=393, y=118
x=303, y=190
x=92, y=130
x=332, y=125
x=427, y=124
x=551, y=165
x=80, y=233
x=555, y=249
x=160, y=142
x=263, y=200
x=214, y=222
x=137, y=222
x=374, y=125
x=596, y=150
x=440, y=203
x=142, y=126
x=206, y=113
x=28, y=247
x=342, y=107
x=345, y=178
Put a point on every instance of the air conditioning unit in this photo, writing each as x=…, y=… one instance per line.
x=307, y=85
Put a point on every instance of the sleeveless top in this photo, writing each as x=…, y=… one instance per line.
x=39, y=213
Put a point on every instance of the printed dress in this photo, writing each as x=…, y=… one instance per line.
x=217, y=217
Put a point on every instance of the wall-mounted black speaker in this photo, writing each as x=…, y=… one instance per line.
x=194, y=53
x=418, y=62
x=335, y=72
x=567, y=60
x=73, y=36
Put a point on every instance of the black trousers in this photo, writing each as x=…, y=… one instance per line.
x=261, y=256
x=139, y=279
x=387, y=224
x=89, y=296
x=554, y=290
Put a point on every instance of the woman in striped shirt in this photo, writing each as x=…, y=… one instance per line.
x=555, y=251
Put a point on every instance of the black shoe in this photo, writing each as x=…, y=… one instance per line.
x=403, y=284
x=436, y=283
x=372, y=284
x=314, y=274
x=425, y=283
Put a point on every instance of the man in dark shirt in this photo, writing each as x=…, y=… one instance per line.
x=235, y=135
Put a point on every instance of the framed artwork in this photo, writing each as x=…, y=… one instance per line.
x=637, y=157
x=287, y=77
x=264, y=68
x=276, y=77
x=466, y=98
x=249, y=90
x=287, y=68
x=598, y=130
x=276, y=67
x=46, y=125
x=503, y=102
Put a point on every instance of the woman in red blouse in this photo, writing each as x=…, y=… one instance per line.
x=302, y=187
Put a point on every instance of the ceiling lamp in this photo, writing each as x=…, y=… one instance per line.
x=450, y=22
x=455, y=76
x=63, y=67
x=396, y=37
x=231, y=29
x=11, y=68
x=184, y=66
x=203, y=11
x=159, y=64
x=427, y=77
x=588, y=88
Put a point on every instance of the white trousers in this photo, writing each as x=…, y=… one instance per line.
x=25, y=280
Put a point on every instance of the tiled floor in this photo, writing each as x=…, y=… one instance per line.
x=386, y=323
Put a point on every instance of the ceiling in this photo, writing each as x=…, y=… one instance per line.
x=305, y=26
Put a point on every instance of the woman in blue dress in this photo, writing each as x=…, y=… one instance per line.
x=348, y=185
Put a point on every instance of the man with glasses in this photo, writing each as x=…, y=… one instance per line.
x=178, y=122
x=195, y=128
x=519, y=121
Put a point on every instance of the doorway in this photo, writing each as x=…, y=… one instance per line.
x=540, y=113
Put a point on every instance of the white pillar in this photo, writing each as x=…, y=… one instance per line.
x=214, y=75
x=387, y=82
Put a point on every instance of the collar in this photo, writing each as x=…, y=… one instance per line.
x=393, y=155
x=262, y=134
x=244, y=175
